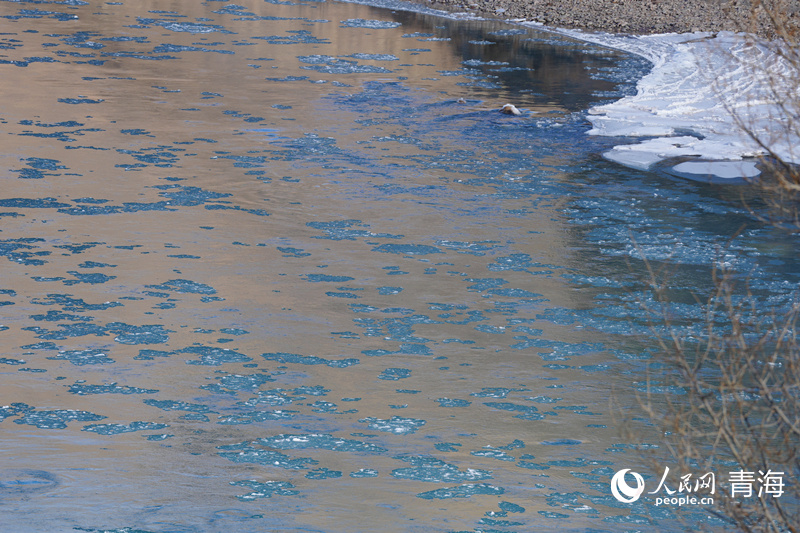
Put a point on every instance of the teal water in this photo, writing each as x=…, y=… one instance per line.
x=265, y=271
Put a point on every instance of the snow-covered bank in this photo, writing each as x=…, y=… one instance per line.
x=689, y=104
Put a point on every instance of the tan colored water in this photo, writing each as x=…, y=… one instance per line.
x=206, y=180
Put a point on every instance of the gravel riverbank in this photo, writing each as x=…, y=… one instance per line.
x=630, y=16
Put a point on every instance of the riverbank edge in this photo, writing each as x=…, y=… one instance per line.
x=640, y=17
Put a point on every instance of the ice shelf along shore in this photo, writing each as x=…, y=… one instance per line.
x=703, y=88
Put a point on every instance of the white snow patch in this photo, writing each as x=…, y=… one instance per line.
x=690, y=101
x=720, y=169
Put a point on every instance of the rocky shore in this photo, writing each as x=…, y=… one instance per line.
x=633, y=16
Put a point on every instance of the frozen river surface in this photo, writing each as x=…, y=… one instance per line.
x=283, y=266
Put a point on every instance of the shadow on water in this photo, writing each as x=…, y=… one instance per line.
x=530, y=67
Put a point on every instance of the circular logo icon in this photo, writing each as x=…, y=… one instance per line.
x=624, y=492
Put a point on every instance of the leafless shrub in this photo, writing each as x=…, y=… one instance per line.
x=741, y=407
x=771, y=119
x=733, y=390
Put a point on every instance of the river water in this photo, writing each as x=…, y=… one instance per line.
x=283, y=266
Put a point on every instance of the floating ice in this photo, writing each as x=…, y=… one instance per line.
x=178, y=405
x=453, y=402
x=51, y=419
x=492, y=392
x=397, y=424
x=245, y=452
x=722, y=169
x=265, y=489
x=513, y=445
x=527, y=412
x=283, y=357
x=147, y=334
x=111, y=388
x=364, y=472
x=298, y=37
x=462, y=491
x=493, y=453
x=181, y=48
x=515, y=293
x=386, y=290
x=288, y=251
x=321, y=406
x=394, y=374
x=374, y=57
x=212, y=356
x=561, y=442
x=532, y=466
x=371, y=24
x=199, y=417
x=511, y=507
x=323, y=473
x=150, y=354
x=181, y=27
x=433, y=470
x=507, y=32
x=314, y=278
x=407, y=249
x=115, y=429
x=335, y=294
x=254, y=416
x=411, y=349
x=237, y=382
x=80, y=100
x=184, y=285
x=333, y=65
x=316, y=390
x=83, y=357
